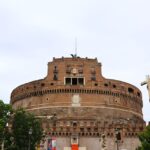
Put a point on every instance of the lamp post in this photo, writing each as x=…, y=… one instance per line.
x=3, y=141
x=6, y=126
x=117, y=137
x=2, y=145
x=103, y=145
x=30, y=133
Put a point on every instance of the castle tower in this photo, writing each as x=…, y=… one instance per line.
x=81, y=109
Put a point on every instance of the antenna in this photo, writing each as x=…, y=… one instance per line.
x=75, y=55
x=76, y=46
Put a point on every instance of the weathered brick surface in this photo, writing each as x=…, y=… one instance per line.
x=107, y=103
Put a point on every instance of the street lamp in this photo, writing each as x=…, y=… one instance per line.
x=8, y=117
x=3, y=141
x=118, y=137
x=103, y=144
x=30, y=133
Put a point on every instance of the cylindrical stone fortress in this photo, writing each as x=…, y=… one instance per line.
x=85, y=105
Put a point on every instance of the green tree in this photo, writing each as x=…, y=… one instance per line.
x=145, y=139
x=5, y=111
x=22, y=124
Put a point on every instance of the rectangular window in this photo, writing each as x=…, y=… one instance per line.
x=74, y=81
x=55, y=77
x=80, y=81
x=93, y=78
x=68, y=81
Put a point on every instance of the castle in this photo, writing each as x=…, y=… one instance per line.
x=82, y=110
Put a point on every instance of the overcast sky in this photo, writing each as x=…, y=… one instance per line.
x=32, y=32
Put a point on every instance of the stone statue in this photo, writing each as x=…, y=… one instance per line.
x=147, y=81
x=74, y=55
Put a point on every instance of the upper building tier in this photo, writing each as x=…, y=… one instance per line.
x=77, y=82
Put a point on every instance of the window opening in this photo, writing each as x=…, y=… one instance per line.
x=130, y=90
x=68, y=81
x=42, y=84
x=74, y=81
x=74, y=124
x=106, y=84
x=55, y=69
x=80, y=81
x=55, y=77
x=138, y=94
x=93, y=78
x=96, y=84
x=114, y=86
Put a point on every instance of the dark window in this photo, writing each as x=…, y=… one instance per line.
x=118, y=136
x=105, y=84
x=96, y=84
x=93, y=77
x=138, y=94
x=74, y=124
x=42, y=84
x=130, y=90
x=55, y=77
x=74, y=81
x=114, y=86
x=80, y=81
x=68, y=81
x=55, y=69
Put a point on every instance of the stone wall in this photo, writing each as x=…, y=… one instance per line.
x=84, y=103
x=95, y=143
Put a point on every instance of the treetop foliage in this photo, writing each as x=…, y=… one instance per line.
x=145, y=139
x=24, y=129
